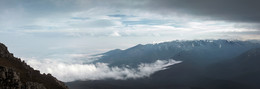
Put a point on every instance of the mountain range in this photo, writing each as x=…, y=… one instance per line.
x=206, y=64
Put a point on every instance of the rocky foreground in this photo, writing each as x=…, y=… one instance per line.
x=16, y=74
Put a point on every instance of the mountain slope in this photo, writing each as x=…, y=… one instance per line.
x=217, y=64
x=244, y=68
x=215, y=50
x=26, y=74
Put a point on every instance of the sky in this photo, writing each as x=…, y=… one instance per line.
x=72, y=30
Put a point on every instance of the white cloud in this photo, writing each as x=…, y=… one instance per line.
x=115, y=34
x=71, y=72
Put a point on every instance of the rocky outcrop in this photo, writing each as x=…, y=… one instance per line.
x=33, y=85
x=16, y=74
x=9, y=79
x=4, y=53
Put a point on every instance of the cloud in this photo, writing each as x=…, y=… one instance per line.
x=115, y=34
x=101, y=19
x=231, y=10
x=71, y=72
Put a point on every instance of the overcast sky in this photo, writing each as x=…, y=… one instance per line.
x=78, y=28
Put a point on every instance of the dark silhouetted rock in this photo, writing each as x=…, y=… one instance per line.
x=16, y=74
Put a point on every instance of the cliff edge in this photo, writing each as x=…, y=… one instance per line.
x=16, y=74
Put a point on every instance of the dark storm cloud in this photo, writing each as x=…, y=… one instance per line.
x=21, y=13
x=229, y=10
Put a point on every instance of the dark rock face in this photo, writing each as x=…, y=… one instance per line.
x=34, y=85
x=4, y=53
x=16, y=74
x=9, y=79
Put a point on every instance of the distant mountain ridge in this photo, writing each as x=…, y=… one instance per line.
x=16, y=74
x=174, y=49
x=206, y=64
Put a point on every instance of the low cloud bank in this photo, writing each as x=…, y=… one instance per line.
x=70, y=72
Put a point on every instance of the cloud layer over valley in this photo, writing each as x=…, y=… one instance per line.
x=77, y=71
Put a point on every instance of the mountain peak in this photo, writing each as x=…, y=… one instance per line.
x=4, y=51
